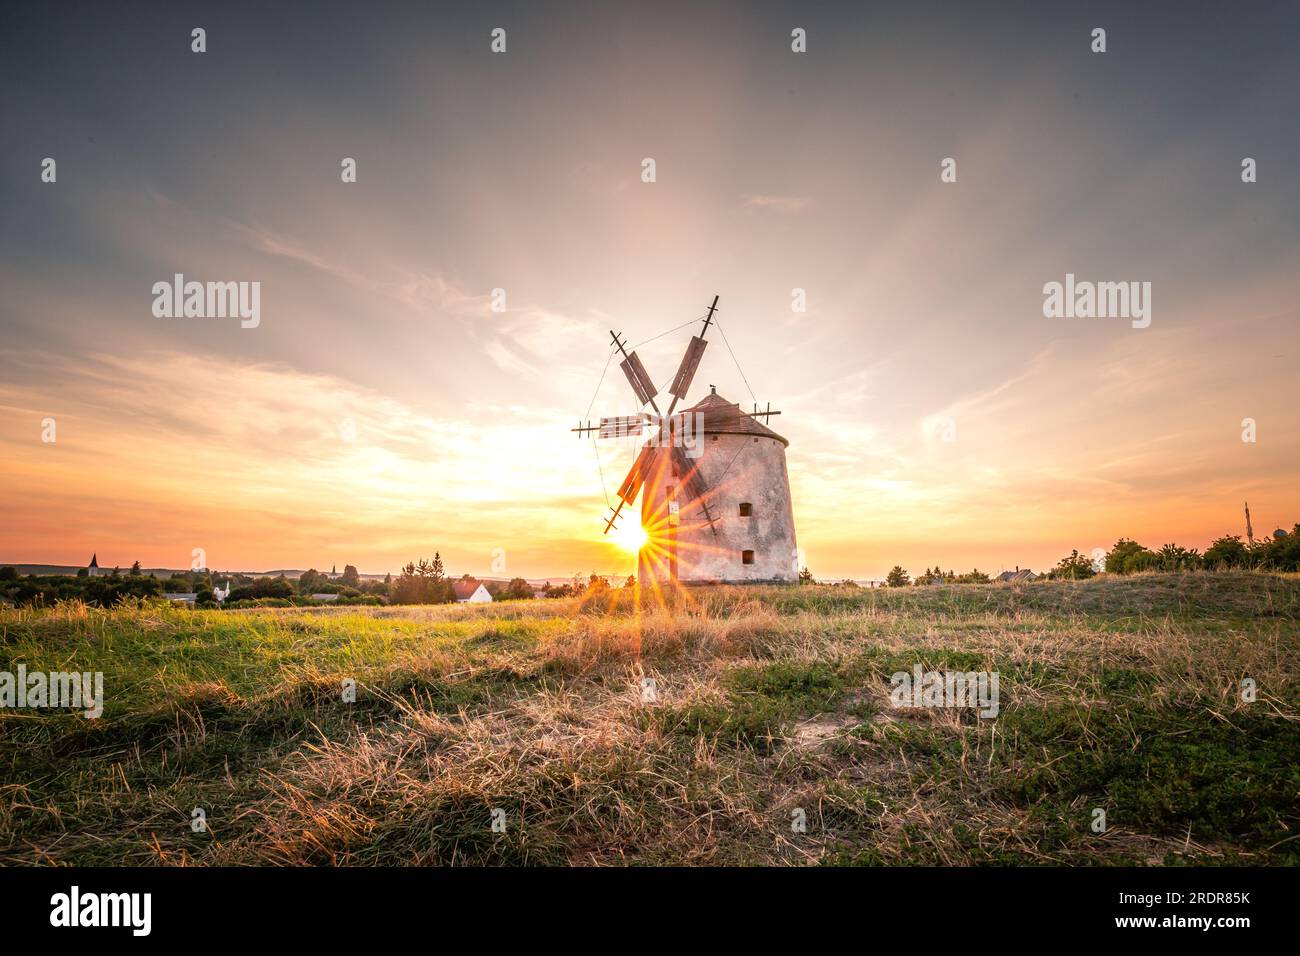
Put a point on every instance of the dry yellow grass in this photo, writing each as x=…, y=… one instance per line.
x=770, y=705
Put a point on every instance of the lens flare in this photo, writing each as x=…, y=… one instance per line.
x=630, y=536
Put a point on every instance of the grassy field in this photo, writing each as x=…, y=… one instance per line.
x=1118, y=694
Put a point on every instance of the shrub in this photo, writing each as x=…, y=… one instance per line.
x=1227, y=552
x=1073, y=567
x=1125, y=557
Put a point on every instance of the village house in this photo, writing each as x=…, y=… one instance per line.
x=1019, y=574
x=470, y=592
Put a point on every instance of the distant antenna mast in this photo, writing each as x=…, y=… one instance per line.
x=1250, y=532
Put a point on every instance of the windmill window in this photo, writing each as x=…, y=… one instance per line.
x=746, y=509
x=747, y=557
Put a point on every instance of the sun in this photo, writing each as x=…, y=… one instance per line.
x=630, y=536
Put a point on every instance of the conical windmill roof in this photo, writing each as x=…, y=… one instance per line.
x=722, y=417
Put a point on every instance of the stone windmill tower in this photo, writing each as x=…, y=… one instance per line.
x=715, y=493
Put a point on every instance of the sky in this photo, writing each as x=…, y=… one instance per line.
x=381, y=410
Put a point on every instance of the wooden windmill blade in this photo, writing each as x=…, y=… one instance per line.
x=636, y=477
x=686, y=371
x=690, y=361
x=639, y=379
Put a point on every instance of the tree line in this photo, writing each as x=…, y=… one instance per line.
x=1278, y=552
x=424, y=581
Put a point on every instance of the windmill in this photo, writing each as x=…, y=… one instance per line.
x=695, y=466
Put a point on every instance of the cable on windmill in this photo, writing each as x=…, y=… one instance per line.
x=604, y=489
x=592, y=403
x=675, y=328
x=737, y=361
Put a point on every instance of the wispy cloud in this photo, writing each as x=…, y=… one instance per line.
x=781, y=204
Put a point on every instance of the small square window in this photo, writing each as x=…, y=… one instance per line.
x=746, y=509
x=747, y=557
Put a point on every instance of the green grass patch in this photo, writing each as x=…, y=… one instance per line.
x=1173, y=770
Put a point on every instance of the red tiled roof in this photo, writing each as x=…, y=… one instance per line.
x=464, y=589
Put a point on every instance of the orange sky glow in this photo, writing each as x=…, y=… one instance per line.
x=382, y=410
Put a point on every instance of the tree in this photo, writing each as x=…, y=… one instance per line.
x=1174, y=557
x=517, y=590
x=1226, y=552
x=311, y=581
x=1126, y=557
x=410, y=587
x=422, y=583
x=1282, y=552
x=897, y=578
x=135, y=569
x=805, y=577
x=11, y=574
x=109, y=591
x=935, y=576
x=1073, y=567
x=351, y=578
